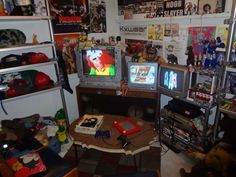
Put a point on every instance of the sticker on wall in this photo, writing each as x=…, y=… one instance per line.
x=98, y=21
x=69, y=16
x=140, y=30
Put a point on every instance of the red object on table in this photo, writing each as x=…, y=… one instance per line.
x=127, y=126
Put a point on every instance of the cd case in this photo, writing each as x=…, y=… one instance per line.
x=89, y=124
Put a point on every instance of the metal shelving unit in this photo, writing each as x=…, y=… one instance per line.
x=228, y=102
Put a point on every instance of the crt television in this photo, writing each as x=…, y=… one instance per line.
x=173, y=80
x=142, y=76
x=99, y=67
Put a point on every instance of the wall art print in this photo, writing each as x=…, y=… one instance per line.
x=69, y=16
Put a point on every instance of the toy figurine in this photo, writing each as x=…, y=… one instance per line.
x=209, y=52
x=62, y=131
x=190, y=59
x=172, y=59
x=62, y=136
x=60, y=118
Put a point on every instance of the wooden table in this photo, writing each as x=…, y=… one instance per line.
x=140, y=141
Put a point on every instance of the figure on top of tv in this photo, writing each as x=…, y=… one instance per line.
x=152, y=56
x=100, y=62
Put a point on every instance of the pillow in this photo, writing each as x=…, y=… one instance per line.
x=27, y=164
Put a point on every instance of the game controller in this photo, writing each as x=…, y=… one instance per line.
x=105, y=133
x=124, y=140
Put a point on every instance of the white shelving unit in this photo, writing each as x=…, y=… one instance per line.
x=42, y=27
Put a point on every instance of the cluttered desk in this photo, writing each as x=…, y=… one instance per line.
x=116, y=134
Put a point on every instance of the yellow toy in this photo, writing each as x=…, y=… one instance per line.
x=62, y=136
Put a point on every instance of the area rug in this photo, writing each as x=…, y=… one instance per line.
x=93, y=163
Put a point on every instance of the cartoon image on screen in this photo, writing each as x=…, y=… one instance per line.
x=142, y=74
x=170, y=79
x=100, y=62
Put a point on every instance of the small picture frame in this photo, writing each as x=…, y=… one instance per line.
x=126, y=126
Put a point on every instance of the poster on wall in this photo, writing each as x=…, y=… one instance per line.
x=211, y=6
x=69, y=16
x=159, y=48
x=196, y=37
x=171, y=30
x=176, y=48
x=156, y=32
x=191, y=7
x=98, y=23
x=222, y=32
x=65, y=44
x=136, y=49
x=173, y=8
x=140, y=8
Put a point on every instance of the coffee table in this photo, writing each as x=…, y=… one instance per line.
x=140, y=141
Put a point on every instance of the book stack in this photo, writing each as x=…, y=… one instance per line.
x=89, y=124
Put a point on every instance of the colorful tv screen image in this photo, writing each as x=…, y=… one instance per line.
x=99, y=62
x=142, y=74
x=172, y=79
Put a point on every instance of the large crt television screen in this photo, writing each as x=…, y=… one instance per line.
x=173, y=80
x=142, y=76
x=100, y=67
x=99, y=62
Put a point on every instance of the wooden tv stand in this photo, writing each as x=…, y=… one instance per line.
x=137, y=103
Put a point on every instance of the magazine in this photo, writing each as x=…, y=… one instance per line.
x=89, y=124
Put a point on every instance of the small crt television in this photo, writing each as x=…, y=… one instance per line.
x=99, y=67
x=142, y=76
x=173, y=80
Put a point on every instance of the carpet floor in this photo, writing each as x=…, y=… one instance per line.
x=93, y=163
